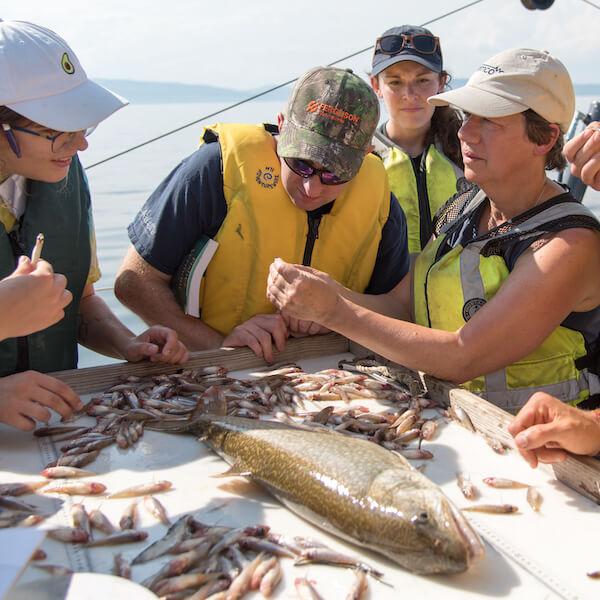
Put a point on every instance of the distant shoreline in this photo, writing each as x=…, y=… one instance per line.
x=149, y=92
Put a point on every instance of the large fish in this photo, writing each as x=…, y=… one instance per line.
x=349, y=487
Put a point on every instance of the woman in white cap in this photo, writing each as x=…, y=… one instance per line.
x=47, y=107
x=418, y=143
x=506, y=297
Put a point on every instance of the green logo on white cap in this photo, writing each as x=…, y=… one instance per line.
x=66, y=64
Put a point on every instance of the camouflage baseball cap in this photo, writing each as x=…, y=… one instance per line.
x=330, y=119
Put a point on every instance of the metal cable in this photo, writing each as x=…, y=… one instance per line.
x=255, y=96
x=591, y=4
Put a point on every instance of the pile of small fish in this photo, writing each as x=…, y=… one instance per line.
x=124, y=409
x=393, y=430
x=205, y=559
x=214, y=558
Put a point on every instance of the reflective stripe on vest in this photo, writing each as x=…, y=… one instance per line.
x=449, y=290
x=441, y=175
x=262, y=223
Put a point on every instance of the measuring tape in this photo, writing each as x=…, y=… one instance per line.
x=507, y=549
x=78, y=556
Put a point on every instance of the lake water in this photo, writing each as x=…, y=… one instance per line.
x=120, y=186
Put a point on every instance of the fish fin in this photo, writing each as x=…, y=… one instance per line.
x=236, y=470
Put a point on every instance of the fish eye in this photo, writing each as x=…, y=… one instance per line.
x=421, y=518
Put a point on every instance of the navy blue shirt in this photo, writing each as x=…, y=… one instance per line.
x=190, y=202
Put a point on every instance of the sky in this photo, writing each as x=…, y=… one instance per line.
x=246, y=44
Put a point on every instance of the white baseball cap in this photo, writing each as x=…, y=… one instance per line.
x=512, y=82
x=41, y=79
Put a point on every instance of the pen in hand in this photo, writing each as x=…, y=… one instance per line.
x=37, y=249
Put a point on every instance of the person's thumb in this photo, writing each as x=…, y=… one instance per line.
x=537, y=436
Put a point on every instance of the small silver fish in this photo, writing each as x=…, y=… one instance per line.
x=534, y=498
x=306, y=590
x=99, y=521
x=69, y=534
x=460, y=415
x=465, y=485
x=504, y=484
x=129, y=517
x=21, y=488
x=360, y=587
x=142, y=490
x=80, y=488
x=594, y=575
x=65, y=473
x=156, y=509
x=121, y=567
x=499, y=509
x=179, y=531
x=271, y=580
x=123, y=537
x=54, y=569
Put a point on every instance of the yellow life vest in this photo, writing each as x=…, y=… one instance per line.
x=450, y=288
x=262, y=223
x=441, y=175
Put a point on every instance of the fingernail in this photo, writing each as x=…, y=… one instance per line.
x=521, y=440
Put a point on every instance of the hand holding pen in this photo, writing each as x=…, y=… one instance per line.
x=33, y=297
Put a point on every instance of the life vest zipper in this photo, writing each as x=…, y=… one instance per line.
x=311, y=237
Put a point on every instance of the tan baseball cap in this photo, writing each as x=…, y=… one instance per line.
x=512, y=82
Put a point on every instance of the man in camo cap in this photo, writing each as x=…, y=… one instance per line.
x=307, y=191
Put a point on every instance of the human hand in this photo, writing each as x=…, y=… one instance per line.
x=583, y=152
x=302, y=292
x=26, y=397
x=299, y=328
x=158, y=344
x=260, y=333
x=546, y=428
x=33, y=297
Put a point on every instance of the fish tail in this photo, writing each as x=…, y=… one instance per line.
x=210, y=404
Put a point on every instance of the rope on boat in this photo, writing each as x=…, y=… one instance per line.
x=260, y=94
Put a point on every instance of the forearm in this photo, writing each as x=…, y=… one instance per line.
x=438, y=353
x=155, y=303
x=100, y=329
x=384, y=304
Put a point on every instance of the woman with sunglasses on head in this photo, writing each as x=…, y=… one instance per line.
x=47, y=107
x=418, y=143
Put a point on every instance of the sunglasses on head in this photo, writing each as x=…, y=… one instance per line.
x=421, y=42
x=306, y=170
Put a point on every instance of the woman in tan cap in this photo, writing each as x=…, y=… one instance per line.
x=505, y=299
x=47, y=108
x=418, y=143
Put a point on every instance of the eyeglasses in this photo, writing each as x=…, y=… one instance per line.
x=306, y=170
x=60, y=141
x=421, y=42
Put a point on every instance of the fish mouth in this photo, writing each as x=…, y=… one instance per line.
x=472, y=541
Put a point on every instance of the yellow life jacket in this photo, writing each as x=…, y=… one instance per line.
x=449, y=288
x=419, y=205
x=262, y=223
